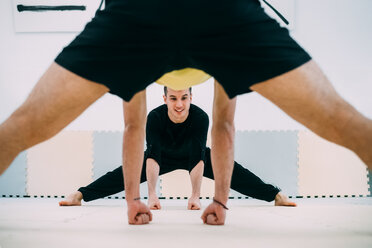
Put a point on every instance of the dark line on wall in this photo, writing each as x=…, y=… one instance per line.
x=40, y=8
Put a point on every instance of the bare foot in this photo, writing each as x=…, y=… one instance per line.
x=282, y=200
x=154, y=203
x=72, y=200
x=194, y=203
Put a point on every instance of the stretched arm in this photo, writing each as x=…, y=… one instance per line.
x=152, y=174
x=133, y=141
x=223, y=132
x=199, y=130
x=196, y=177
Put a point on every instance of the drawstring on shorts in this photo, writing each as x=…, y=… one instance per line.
x=277, y=12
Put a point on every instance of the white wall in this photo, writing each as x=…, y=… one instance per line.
x=337, y=33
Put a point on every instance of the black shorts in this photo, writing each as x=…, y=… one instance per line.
x=132, y=43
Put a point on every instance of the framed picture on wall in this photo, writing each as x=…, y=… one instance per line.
x=72, y=15
x=53, y=15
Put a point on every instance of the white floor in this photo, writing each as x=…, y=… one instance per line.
x=30, y=222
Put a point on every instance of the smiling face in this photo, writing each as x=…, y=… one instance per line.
x=178, y=102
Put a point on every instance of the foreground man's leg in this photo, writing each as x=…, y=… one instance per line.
x=222, y=153
x=57, y=99
x=307, y=96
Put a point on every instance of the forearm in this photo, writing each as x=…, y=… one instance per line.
x=133, y=143
x=223, y=133
x=196, y=177
x=152, y=174
x=222, y=156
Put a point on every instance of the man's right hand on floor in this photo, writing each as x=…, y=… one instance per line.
x=138, y=213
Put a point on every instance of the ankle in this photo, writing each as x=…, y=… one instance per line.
x=78, y=195
x=279, y=196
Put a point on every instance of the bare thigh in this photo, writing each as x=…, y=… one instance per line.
x=57, y=99
x=307, y=96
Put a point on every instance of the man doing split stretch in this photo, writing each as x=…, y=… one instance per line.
x=176, y=135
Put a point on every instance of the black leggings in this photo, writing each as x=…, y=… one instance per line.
x=243, y=181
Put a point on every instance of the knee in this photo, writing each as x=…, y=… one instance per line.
x=338, y=119
x=21, y=125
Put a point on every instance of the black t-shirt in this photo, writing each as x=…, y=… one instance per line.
x=171, y=143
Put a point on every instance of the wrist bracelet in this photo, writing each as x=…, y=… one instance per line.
x=137, y=198
x=220, y=203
